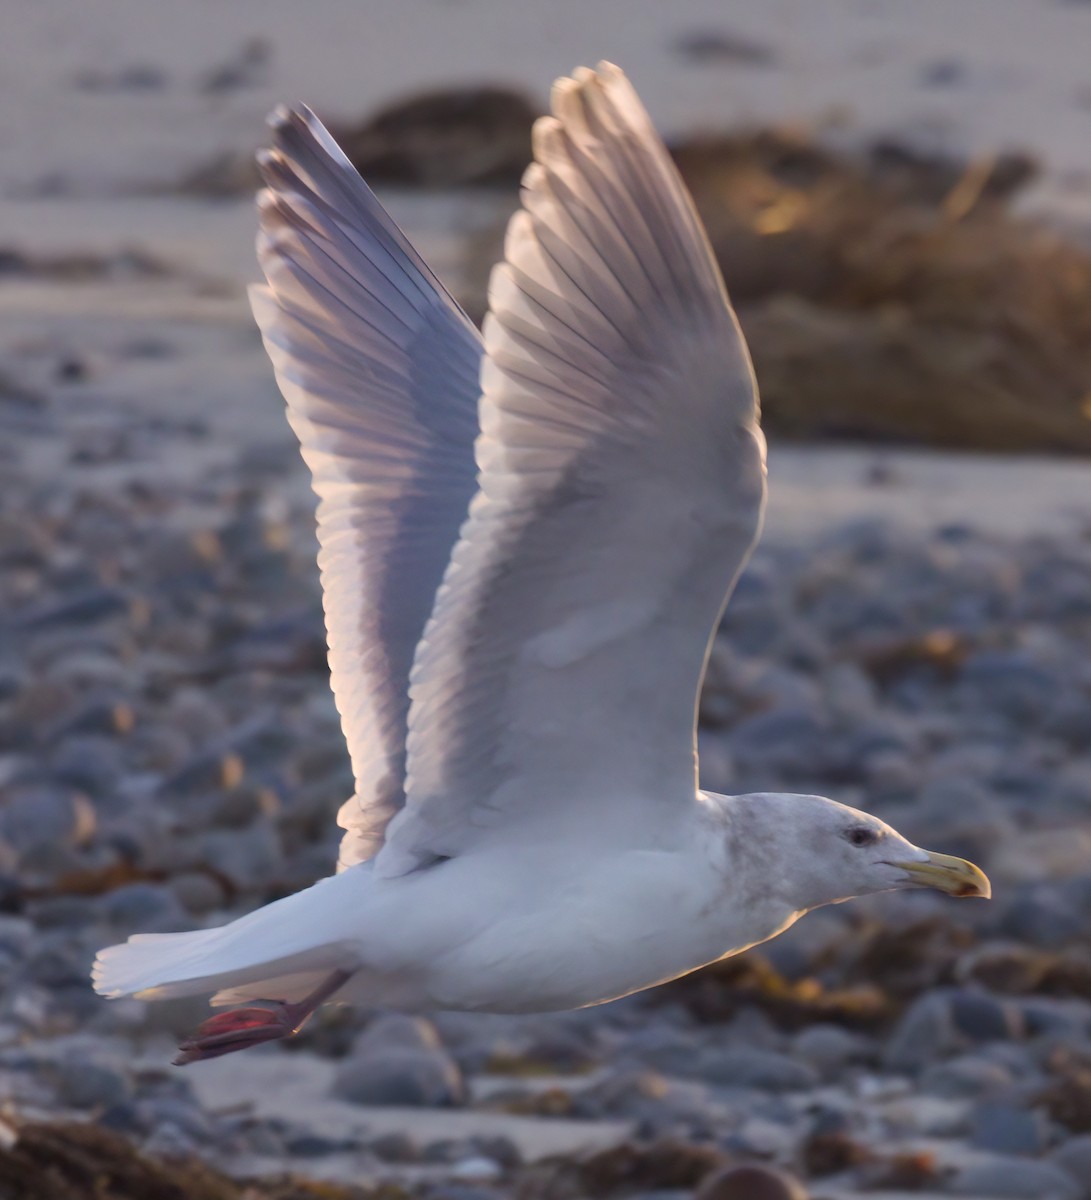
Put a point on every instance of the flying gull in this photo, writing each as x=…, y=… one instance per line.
x=527, y=541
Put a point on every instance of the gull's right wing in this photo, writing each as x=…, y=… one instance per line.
x=622, y=481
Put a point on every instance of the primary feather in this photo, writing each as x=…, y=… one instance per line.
x=379, y=367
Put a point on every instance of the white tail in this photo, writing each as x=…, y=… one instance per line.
x=269, y=954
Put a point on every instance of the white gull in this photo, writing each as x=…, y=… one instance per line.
x=527, y=540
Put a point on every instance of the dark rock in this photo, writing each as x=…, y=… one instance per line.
x=462, y=1191
x=1067, y=1098
x=247, y=68
x=444, y=138
x=715, y=47
x=751, y=1182
x=663, y=1163
x=396, y=1147
x=943, y=72
x=314, y=1145
x=137, y=77
x=82, y=1156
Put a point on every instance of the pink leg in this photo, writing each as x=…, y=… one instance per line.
x=241, y=1027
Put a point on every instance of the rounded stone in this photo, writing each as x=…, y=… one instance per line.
x=476, y=1169
x=144, y=908
x=791, y=737
x=397, y=1029
x=1006, y=1128
x=403, y=1076
x=967, y=1075
x=83, y=1084
x=751, y=1182
x=925, y=1033
x=830, y=1048
x=983, y=1018
x=762, y=1069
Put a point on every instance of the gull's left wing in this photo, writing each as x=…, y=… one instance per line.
x=380, y=370
x=621, y=482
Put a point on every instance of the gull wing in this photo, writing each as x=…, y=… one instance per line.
x=621, y=485
x=380, y=370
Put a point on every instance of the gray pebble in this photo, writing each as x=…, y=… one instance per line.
x=249, y=858
x=1041, y=915
x=763, y=1069
x=829, y=1048
x=84, y=1084
x=1074, y=1157
x=144, y=908
x=968, y=1075
x=398, y=1029
x=80, y=609
x=314, y=1145
x=1015, y=1177
x=925, y=1033
x=792, y=738
x=1066, y=1019
x=399, y=1060
x=394, y=1146
x=197, y=892
x=983, y=1018
x=36, y=817
x=1008, y=682
x=477, y=1168
x=180, y=1112
x=1006, y=1128
x=90, y=762
x=169, y=1142
x=401, y=1076
x=462, y=1191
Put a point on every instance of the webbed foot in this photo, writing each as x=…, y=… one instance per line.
x=240, y=1028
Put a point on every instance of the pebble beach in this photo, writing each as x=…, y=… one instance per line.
x=911, y=638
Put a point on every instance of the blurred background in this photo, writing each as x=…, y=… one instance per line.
x=899, y=195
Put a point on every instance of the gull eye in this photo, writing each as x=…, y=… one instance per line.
x=861, y=835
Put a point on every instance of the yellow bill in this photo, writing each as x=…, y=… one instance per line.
x=955, y=876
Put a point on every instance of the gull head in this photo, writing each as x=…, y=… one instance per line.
x=826, y=852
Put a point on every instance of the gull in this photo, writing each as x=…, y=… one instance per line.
x=527, y=539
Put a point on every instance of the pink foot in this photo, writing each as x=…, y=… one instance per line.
x=239, y=1028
